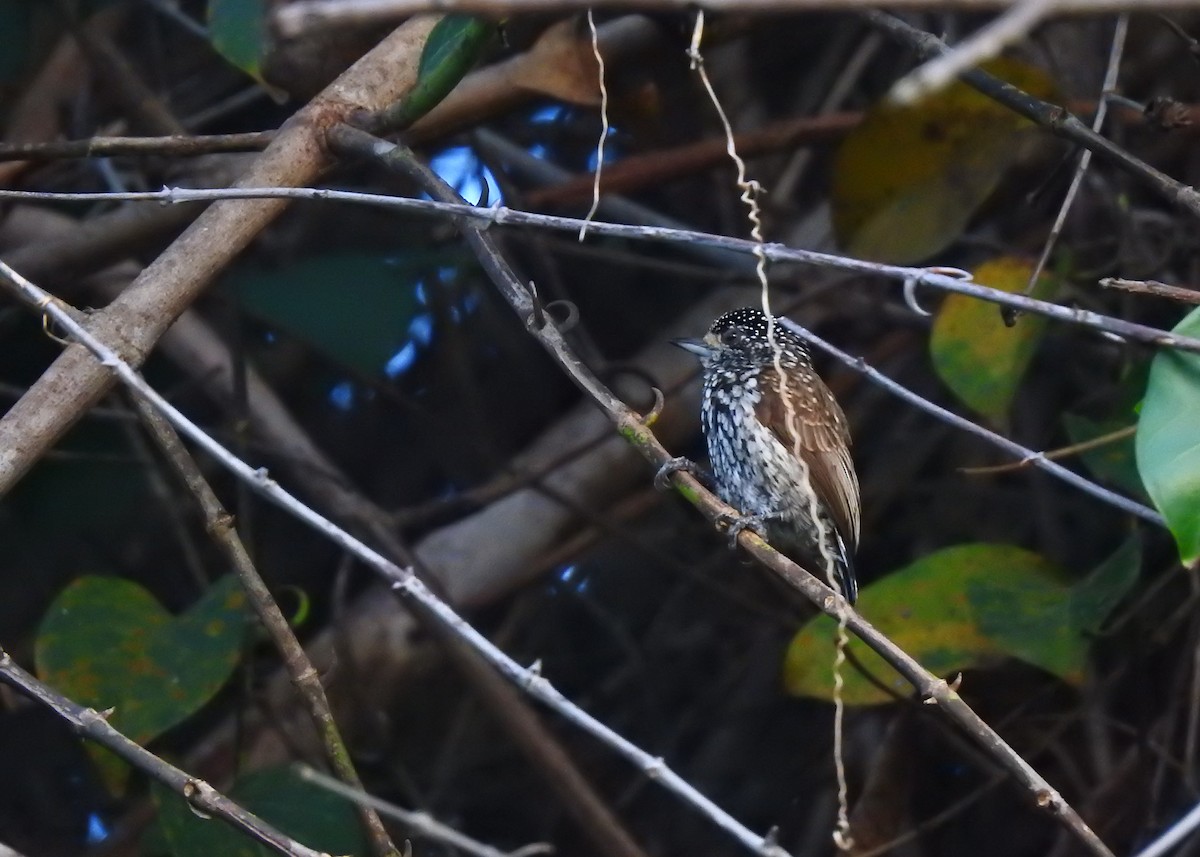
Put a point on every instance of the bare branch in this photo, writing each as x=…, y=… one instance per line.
x=930, y=277
x=307, y=14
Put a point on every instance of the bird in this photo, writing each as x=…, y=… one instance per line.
x=778, y=443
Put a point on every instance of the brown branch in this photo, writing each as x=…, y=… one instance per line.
x=173, y=145
x=1153, y=287
x=931, y=689
x=304, y=676
x=92, y=725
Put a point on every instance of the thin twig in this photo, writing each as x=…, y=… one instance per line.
x=1053, y=454
x=984, y=44
x=304, y=676
x=775, y=252
x=421, y=823
x=1153, y=287
x=932, y=689
x=91, y=724
x=174, y=145
x=1085, y=159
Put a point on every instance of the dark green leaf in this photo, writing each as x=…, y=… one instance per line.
x=238, y=31
x=1113, y=462
x=454, y=46
x=106, y=643
x=355, y=308
x=1095, y=597
x=304, y=811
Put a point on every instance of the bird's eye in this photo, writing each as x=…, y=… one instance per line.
x=735, y=336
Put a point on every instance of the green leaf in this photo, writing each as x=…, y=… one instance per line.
x=106, y=643
x=955, y=609
x=907, y=180
x=238, y=31
x=454, y=46
x=1097, y=595
x=306, y=812
x=975, y=353
x=1114, y=461
x=1168, y=440
x=353, y=307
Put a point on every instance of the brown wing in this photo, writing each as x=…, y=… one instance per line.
x=820, y=430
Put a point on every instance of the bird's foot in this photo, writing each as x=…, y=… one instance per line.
x=734, y=524
x=662, y=479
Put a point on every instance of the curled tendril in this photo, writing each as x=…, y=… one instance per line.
x=572, y=318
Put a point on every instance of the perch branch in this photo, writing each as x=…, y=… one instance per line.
x=523, y=299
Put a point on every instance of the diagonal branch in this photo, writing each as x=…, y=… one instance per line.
x=523, y=300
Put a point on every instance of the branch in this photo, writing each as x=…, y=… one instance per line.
x=175, y=145
x=402, y=580
x=931, y=277
x=200, y=795
x=307, y=14
x=219, y=524
x=524, y=302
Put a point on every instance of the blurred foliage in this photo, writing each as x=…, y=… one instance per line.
x=238, y=30
x=907, y=180
x=354, y=308
x=1114, y=461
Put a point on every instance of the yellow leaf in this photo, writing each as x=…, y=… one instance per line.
x=975, y=353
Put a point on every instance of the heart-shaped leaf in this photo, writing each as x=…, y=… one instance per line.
x=1168, y=440
x=106, y=643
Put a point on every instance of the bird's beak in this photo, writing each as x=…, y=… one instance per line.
x=697, y=346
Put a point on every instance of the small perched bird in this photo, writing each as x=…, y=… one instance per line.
x=779, y=453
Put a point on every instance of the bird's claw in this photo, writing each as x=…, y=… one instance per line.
x=662, y=479
x=734, y=524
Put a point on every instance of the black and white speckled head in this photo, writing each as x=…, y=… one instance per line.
x=740, y=339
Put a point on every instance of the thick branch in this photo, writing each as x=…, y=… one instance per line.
x=135, y=321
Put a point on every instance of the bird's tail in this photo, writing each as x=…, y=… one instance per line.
x=843, y=570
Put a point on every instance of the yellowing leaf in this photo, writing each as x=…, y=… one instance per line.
x=907, y=180
x=958, y=608
x=975, y=353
